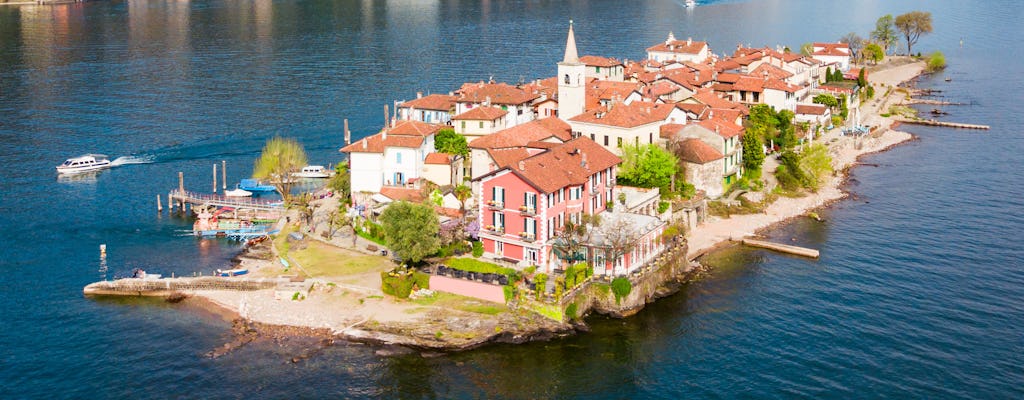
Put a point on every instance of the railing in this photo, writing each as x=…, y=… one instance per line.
x=495, y=205
x=527, y=211
x=495, y=230
x=527, y=237
x=246, y=202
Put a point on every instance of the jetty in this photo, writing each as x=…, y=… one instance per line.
x=166, y=286
x=783, y=248
x=932, y=122
x=203, y=199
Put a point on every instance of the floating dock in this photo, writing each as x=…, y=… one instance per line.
x=783, y=248
x=932, y=122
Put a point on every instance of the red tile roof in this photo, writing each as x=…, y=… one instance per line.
x=707, y=96
x=482, y=113
x=811, y=109
x=408, y=134
x=570, y=164
x=438, y=159
x=497, y=93
x=414, y=128
x=831, y=49
x=436, y=102
x=627, y=115
x=696, y=151
x=521, y=135
x=505, y=157
x=772, y=72
x=670, y=130
x=679, y=46
x=399, y=194
x=597, y=61
x=723, y=128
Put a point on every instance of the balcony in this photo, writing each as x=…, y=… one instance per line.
x=593, y=189
x=527, y=211
x=495, y=205
x=495, y=230
x=527, y=237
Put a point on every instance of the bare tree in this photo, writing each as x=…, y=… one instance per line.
x=620, y=238
x=574, y=237
x=913, y=24
x=855, y=42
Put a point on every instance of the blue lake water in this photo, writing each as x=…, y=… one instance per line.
x=919, y=292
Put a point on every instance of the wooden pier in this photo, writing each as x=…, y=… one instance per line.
x=932, y=122
x=784, y=248
x=186, y=197
x=167, y=286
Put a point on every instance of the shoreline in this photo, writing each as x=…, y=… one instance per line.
x=254, y=316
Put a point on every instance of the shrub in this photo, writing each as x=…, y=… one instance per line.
x=576, y=274
x=540, y=281
x=570, y=311
x=936, y=61
x=472, y=265
x=400, y=284
x=530, y=270
x=621, y=287
x=663, y=206
x=478, y=249
x=509, y=292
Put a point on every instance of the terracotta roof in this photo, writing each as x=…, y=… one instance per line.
x=438, y=159
x=482, y=113
x=731, y=115
x=812, y=109
x=572, y=163
x=772, y=71
x=749, y=84
x=627, y=115
x=707, y=96
x=679, y=46
x=831, y=49
x=408, y=134
x=597, y=61
x=505, y=157
x=522, y=134
x=660, y=88
x=497, y=93
x=776, y=84
x=697, y=110
x=670, y=130
x=696, y=151
x=399, y=194
x=723, y=128
x=437, y=102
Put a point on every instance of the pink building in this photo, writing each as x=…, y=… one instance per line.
x=524, y=204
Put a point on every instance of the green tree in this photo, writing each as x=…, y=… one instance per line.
x=279, y=158
x=647, y=166
x=574, y=236
x=828, y=74
x=806, y=49
x=815, y=166
x=447, y=141
x=862, y=79
x=463, y=193
x=341, y=182
x=837, y=75
x=411, y=230
x=874, y=52
x=884, y=33
x=914, y=24
x=753, y=152
x=826, y=99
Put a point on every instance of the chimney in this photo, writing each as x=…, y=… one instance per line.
x=364, y=143
x=348, y=135
x=522, y=165
x=487, y=101
x=387, y=116
x=419, y=95
x=584, y=162
x=384, y=134
x=696, y=76
x=689, y=41
x=671, y=38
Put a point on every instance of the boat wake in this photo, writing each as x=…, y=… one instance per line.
x=125, y=160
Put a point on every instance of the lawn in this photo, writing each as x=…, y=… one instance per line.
x=319, y=260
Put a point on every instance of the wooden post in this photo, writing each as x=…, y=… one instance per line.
x=215, y=178
x=348, y=135
x=224, y=174
x=387, y=117
x=181, y=190
x=170, y=204
x=159, y=207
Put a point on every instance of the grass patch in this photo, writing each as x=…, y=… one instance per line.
x=367, y=236
x=473, y=265
x=482, y=308
x=281, y=242
x=319, y=259
x=462, y=303
x=551, y=311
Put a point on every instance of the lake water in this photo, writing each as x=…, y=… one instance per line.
x=919, y=292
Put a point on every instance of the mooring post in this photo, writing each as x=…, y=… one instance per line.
x=224, y=174
x=170, y=204
x=348, y=135
x=159, y=207
x=214, y=178
x=181, y=190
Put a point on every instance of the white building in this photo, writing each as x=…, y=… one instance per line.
x=393, y=157
x=833, y=53
x=679, y=50
x=433, y=108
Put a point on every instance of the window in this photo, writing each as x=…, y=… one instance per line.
x=551, y=199
x=499, y=248
x=561, y=195
x=498, y=195
x=499, y=220
x=619, y=142
x=531, y=256
x=592, y=137
x=530, y=201
x=597, y=69
x=504, y=108
x=650, y=138
x=530, y=226
x=481, y=124
x=605, y=140
x=463, y=125
x=520, y=112
x=398, y=158
x=566, y=79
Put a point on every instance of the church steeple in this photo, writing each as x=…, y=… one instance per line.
x=571, y=56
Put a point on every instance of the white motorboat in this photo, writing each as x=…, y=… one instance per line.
x=83, y=163
x=312, y=171
x=237, y=192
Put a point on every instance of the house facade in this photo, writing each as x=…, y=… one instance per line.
x=637, y=123
x=679, y=50
x=523, y=206
x=393, y=157
x=480, y=121
x=433, y=108
x=724, y=137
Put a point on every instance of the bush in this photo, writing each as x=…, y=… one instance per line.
x=509, y=292
x=570, y=311
x=663, y=206
x=478, y=249
x=471, y=265
x=936, y=61
x=397, y=284
x=576, y=274
x=621, y=287
x=540, y=281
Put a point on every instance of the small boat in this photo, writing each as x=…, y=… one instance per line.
x=691, y=3
x=948, y=79
x=312, y=171
x=84, y=163
x=936, y=111
x=237, y=192
x=253, y=185
x=232, y=272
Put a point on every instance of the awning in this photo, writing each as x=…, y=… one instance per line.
x=380, y=198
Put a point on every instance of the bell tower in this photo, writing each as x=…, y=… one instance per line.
x=571, y=78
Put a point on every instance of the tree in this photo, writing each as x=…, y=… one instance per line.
x=304, y=203
x=337, y=219
x=826, y=99
x=280, y=157
x=462, y=193
x=874, y=52
x=914, y=24
x=884, y=33
x=828, y=74
x=815, y=165
x=862, y=79
x=341, y=182
x=936, y=61
x=647, y=166
x=855, y=42
x=806, y=49
x=575, y=235
x=449, y=142
x=619, y=236
x=411, y=230
x=753, y=152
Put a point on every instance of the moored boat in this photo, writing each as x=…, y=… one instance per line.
x=237, y=192
x=84, y=163
x=254, y=186
x=312, y=171
x=232, y=272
